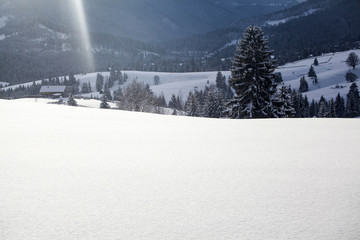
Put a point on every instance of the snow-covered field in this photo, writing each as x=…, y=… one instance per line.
x=84, y=173
x=331, y=72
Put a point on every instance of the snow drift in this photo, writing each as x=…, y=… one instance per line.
x=83, y=173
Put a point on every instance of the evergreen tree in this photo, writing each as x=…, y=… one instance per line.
x=173, y=102
x=278, y=78
x=104, y=103
x=313, y=109
x=156, y=80
x=161, y=102
x=89, y=87
x=213, y=105
x=125, y=78
x=332, y=110
x=112, y=78
x=316, y=62
x=304, y=87
x=340, y=106
x=99, y=82
x=220, y=81
x=108, y=94
x=352, y=60
x=353, y=102
x=71, y=101
x=84, y=88
x=297, y=102
x=323, y=108
x=283, y=105
x=192, y=106
x=312, y=74
x=305, y=108
x=252, y=77
x=72, y=84
x=118, y=95
x=179, y=103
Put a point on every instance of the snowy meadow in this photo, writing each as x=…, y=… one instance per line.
x=85, y=173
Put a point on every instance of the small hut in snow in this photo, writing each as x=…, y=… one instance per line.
x=53, y=91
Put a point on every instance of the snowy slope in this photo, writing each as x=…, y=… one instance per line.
x=284, y=20
x=331, y=72
x=4, y=83
x=169, y=82
x=82, y=173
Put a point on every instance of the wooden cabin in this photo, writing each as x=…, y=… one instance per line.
x=53, y=91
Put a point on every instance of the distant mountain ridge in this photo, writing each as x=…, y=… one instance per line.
x=38, y=39
x=148, y=20
x=310, y=28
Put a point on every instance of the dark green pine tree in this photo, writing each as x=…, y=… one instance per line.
x=312, y=74
x=220, y=81
x=72, y=84
x=323, y=108
x=99, y=82
x=89, y=87
x=316, y=62
x=213, y=105
x=85, y=88
x=304, y=86
x=108, y=94
x=305, y=108
x=252, y=77
x=340, y=106
x=104, y=102
x=161, y=102
x=353, y=102
x=332, y=110
x=118, y=94
x=192, y=106
x=179, y=103
x=173, y=102
x=313, y=109
x=71, y=101
x=283, y=105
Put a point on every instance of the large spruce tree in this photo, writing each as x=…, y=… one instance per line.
x=252, y=77
x=353, y=102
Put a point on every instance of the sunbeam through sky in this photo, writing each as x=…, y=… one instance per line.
x=78, y=7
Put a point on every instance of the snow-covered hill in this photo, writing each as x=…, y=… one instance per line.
x=81, y=173
x=331, y=72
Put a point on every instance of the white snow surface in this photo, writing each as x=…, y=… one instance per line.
x=83, y=173
x=284, y=20
x=4, y=83
x=170, y=83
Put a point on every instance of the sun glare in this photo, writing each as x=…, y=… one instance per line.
x=84, y=30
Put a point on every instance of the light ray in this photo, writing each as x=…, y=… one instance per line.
x=84, y=31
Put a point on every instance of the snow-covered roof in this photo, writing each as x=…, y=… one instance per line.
x=52, y=89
